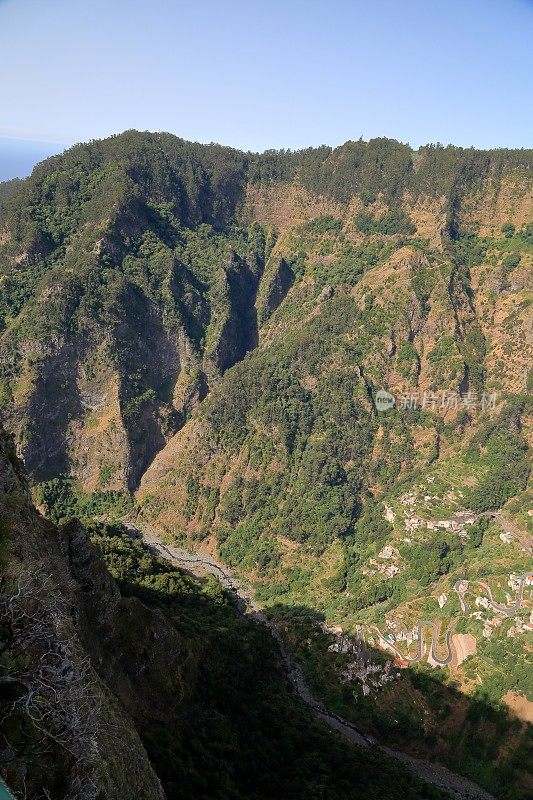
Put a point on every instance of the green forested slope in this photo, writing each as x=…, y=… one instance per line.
x=201, y=333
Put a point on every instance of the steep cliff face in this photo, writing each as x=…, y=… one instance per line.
x=136, y=270
x=64, y=732
x=118, y=334
x=212, y=328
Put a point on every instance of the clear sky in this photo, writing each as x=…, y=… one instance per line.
x=277, y=73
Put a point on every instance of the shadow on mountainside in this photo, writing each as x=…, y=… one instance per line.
x=422, y=712
x=208, y=694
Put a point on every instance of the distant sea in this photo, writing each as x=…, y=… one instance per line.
x=18, y=156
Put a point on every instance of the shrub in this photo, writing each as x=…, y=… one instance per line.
x=477, y=531
x=324, y=224
x=392, y=222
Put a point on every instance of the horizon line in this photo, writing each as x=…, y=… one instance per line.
x=65, y=145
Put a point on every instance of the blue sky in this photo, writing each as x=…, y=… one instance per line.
x=255, y=75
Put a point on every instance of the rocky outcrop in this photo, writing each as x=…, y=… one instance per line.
x=65, y=733
x=277, y=280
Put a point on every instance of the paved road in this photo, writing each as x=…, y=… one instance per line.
x=524, y=539
x=442, y=662
x=461, y=587
x=508, y=611
x=455, y=785
x=422, y=642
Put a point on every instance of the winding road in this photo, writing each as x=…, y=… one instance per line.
x=508, y=611
x=460, y=588
x=434, y=637
x=434, y=625
x=455, y=785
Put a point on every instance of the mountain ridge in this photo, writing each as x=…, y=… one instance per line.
x=198, y=335
x=128, y=218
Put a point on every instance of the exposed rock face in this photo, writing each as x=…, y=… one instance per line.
x=277, y=280
x=64, y=730
x=237, y=325
x=508, y=199
x=137, y=270
x=100, y=401
x=286, y=206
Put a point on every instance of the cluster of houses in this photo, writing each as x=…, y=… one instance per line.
x=397, y=632
x=519, y=626
x=387, y=570
x=495, y=622
x=408, y=499
x=455, y=524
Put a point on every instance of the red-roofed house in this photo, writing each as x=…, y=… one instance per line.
x=401, y=662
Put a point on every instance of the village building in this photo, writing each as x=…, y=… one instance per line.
x=389, y=514
x=401, y=662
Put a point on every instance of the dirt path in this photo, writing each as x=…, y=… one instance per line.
x=455, y=785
